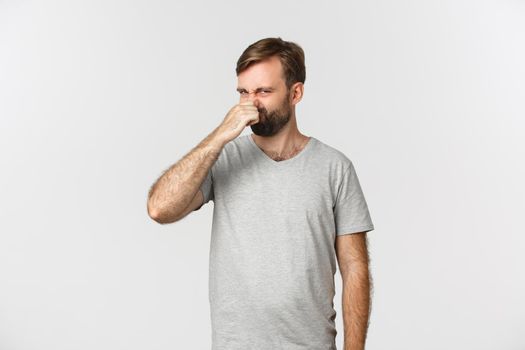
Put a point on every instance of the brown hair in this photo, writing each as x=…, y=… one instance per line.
x=290, y=54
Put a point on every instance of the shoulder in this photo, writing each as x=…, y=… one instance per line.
x=331, y=166
x=236, y=147
x=333, y=157
x=233, y=153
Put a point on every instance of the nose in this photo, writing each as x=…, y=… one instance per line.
x=254, y=100
x=251, y=96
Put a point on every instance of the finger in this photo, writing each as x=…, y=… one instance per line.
x=248, y=111
x=249, y=108
x=255, y=121
x=246, y=103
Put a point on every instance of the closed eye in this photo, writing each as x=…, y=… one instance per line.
x=259, y=92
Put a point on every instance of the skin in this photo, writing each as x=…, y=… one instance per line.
x=264, y=98
x=353, y=260
x=268, y=74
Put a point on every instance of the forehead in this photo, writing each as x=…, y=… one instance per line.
x=268, y=72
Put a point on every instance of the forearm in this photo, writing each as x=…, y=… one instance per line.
x=356, y=307
x=175, y=189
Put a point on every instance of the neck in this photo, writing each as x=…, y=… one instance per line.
x=283, y=145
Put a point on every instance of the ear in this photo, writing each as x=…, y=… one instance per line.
x=296, y=92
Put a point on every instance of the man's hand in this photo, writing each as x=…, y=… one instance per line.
x=240, y=116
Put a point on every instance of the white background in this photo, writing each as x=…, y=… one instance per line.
x=98, y=98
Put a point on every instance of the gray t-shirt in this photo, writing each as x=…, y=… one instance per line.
x=272, y=255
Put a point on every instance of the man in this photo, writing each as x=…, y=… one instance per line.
x=285, y=206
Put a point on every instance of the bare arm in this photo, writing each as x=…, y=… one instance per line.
x=174, y=190
x=175, y=193
x=352, y=255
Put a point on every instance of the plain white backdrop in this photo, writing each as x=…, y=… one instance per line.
x=98, y=98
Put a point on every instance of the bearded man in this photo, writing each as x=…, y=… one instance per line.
x=286, y=207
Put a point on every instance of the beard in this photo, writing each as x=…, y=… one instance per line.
x=270, y=122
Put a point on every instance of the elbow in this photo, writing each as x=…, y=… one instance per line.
x=160, y=216
x=154, y=213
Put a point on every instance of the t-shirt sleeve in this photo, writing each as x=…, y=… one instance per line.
x=351, y=210
x=207, y=189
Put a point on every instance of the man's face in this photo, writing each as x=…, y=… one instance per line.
x=263, y=83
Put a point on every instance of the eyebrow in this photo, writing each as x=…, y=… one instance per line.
x=240, y=89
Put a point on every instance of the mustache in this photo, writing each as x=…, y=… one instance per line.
x=262, y=110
